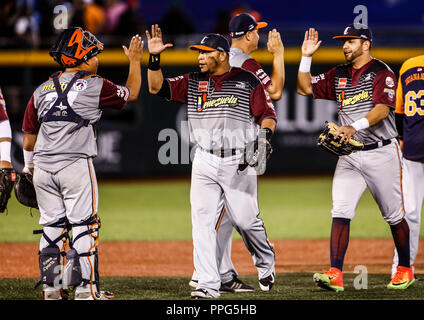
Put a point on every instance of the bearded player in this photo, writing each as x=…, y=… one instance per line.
x=364, y=89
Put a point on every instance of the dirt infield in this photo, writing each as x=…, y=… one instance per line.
x=20, y=260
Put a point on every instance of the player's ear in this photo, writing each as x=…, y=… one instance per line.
x=221, y=56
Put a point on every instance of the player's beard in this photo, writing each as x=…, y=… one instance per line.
x=355, y=54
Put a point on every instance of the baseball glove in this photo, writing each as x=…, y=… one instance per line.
x=24, y=190
x=256, y=154
x=328, y=141
x=7, y=180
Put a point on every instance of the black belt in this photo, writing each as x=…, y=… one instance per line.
x=222, y=153
x=376, y=145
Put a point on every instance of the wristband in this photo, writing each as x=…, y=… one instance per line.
x=154, y=62
x=29, y=159
x=360, y=124
x=305, y=64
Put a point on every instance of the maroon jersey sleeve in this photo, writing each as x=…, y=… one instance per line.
x=113, y=96
x=30, y=123
x=384, y=89
x=3, y=112
x=253, y=66
x=323, y=85
x=261, y=105
x=179, y=88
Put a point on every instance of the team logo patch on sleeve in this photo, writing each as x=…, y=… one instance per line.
x=390, y=82
x=80, y=85
x=390, y=93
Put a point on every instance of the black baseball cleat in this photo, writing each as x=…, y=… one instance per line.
x=267, y=283
x=223, y=289
x=238, y=286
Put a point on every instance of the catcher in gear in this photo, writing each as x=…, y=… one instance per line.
x=330, y=140
x=59, y=145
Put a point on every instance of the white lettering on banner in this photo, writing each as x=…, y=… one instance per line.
x=108, y=147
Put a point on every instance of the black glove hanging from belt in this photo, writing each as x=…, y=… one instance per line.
x=257, y=152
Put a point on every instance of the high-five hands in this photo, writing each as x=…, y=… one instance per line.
x=310, y=43
x=155, y=42
x=135, y=50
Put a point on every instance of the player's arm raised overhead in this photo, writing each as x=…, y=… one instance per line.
x=134, y=54
x=156, y=47
x=276, y=48
x=309, y=47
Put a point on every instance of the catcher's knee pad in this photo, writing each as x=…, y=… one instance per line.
x=51, y=253
x=83, y=260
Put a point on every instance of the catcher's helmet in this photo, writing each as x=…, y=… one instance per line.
x=75, y=46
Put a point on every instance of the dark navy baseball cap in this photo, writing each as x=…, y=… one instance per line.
x=243, y=23
x=212, y=42
x=356, y=31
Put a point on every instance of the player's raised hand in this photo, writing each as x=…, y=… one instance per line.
x=310, y=43
x=155, y=42
x=275, y=45
x=135, y=50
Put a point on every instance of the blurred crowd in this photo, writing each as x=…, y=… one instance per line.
x=27, y=24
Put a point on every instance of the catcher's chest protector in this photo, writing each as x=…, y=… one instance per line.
x=61, y=110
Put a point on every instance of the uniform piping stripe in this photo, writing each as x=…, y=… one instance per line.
x=221, y=216
x=93, y=191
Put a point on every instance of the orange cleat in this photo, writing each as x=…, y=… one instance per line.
x=330, y=280
x=402, y=279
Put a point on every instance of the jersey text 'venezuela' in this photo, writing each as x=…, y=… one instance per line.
x=223, y=111
x=356, y=92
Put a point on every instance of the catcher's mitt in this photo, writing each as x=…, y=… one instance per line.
x=7, y=180
x=256, y=154
x=328, y=141
x=24, y=190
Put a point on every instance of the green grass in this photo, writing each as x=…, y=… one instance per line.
x=289, y=286
x=292, y=208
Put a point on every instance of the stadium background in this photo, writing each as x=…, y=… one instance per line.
x=128, y=141
x=295, y=193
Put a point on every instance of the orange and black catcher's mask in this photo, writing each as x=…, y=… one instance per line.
x=75, y=46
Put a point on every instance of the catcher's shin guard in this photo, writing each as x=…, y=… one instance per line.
x=51, y=254
x=85, y=243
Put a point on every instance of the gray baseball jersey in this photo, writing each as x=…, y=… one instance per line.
x=56, y=148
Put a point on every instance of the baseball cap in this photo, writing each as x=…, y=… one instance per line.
x=244, y=22
x=356, y=31
x=212, y=42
